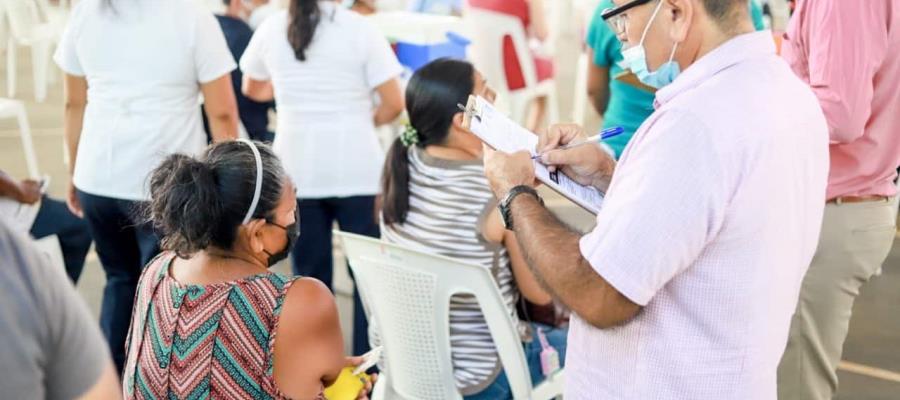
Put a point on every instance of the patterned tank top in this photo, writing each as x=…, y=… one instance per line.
x=203, y=341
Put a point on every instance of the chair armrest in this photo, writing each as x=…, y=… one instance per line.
x=550, y=388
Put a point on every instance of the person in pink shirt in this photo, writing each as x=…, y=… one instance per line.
x=686, y=286
x=849, y=53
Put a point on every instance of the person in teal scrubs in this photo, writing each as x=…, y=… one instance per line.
x=619, y=103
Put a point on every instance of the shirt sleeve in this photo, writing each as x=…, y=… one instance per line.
x=66, y=55
x=76, y=351
x=756, y=15
x=381, y=63
x=253, y=62
x=666, y=202
x=212, y=58
x=847, y=41
x=602, y=40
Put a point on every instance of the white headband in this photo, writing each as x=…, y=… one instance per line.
x=259, y=173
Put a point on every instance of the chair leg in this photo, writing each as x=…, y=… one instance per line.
x=53, y=73
x=518, y=108
x=40, y=60
x=553, y=106
x=4, y=30
x=10, y=67
x=27, y=143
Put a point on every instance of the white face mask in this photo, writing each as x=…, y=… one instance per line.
x=635, y=59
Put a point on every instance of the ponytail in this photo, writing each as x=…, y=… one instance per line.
x=304, y=16
x=395, y=184
x=432, y=96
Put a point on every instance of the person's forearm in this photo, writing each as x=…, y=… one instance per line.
x=600, y=100
x=386, y=113
x=554, y=255
x=223, y=127
x=260, y=91
x=8, y=186
x=263, y=94
x=74, y=120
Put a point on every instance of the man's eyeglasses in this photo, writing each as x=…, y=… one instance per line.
x=616, y=18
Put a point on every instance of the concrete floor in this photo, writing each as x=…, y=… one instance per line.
x=873, y=342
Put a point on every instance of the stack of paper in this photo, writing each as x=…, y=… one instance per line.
x=504, y=134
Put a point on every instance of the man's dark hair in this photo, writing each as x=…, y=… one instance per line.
x=726, y=12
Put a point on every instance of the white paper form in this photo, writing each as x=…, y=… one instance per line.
x=503, y=134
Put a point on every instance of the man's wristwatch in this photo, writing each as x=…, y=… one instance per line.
x=505, y=211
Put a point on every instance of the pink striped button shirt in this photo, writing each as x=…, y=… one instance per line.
x=710, y=222
x=849, y=53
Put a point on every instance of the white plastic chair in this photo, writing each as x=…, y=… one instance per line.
x=57, y=15
x=488, y=30
x=16, y=109
x=26, y=29
x=4, y=27
x=407, y=294
x=584, y=113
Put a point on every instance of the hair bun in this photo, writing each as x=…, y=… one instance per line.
x=185, y=203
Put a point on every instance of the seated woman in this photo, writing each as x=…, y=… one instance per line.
x=532, y=14
x=210, y=320
x=437, y=199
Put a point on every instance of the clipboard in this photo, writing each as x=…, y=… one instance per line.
x=503, y=134
x=630, y=78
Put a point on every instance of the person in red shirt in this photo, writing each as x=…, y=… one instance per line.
x=532, y=15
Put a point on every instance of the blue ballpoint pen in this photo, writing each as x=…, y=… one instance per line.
x=604, y=135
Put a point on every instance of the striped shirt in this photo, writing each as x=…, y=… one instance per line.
x=448, y=204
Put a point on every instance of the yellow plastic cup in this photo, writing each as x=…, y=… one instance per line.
x=347, y=386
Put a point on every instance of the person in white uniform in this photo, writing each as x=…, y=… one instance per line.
x=135, y=70
x=323, y=64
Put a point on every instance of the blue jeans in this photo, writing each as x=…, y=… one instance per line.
x=54, y=218
x=312, y=256
x=124, y=246
x=500, y=389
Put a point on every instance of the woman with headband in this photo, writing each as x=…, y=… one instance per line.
x=210, y=318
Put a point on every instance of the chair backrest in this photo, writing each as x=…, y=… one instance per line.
x=488, y=30
x=407, y=293
x=23, y=16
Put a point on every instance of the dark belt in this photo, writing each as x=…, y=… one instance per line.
x=856, y=199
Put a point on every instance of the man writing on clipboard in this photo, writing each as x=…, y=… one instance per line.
x=686, y=287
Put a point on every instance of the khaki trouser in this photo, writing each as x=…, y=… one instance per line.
x=855, y=240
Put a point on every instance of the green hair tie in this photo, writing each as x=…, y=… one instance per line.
x=409, y=136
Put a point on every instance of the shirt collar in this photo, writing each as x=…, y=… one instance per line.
x=734, y=51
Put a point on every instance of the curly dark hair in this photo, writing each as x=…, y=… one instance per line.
x=201, y=202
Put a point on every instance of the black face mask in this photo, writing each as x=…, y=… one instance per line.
x=293, y=232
